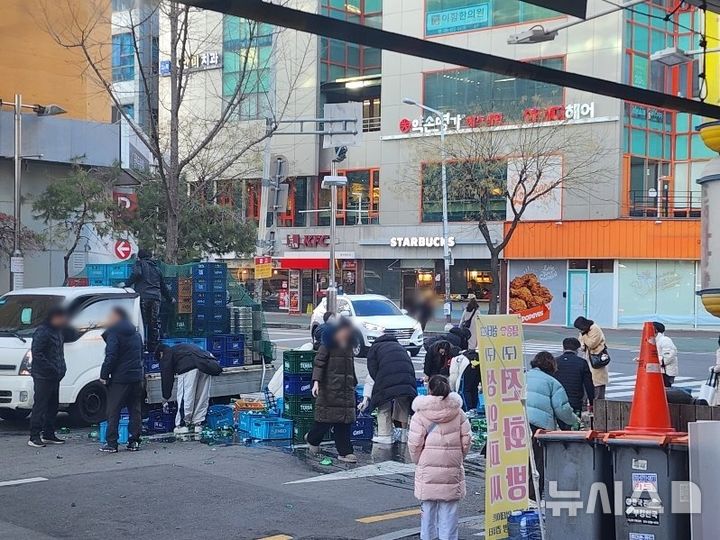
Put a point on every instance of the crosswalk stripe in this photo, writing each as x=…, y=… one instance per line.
x=392, y=515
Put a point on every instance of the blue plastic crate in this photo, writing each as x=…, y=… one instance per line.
x=161, y=422
x=98, y=282
x=297, y=385
x=209, y=300
x=209, y=270
x=123, y=431
x=271, y=428
x=217, y=315
x=119, y=271
x=235, y=343
x=152, y=365
x=232, y=359
x=363, y=428
x=216, y=344
x=219, y=416
x=96, y=271
x=199, y=342
x=204, y=328
x=209, y=285
x=245, y=418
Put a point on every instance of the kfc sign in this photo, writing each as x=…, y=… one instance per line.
x=432, y=124
x=296, y=241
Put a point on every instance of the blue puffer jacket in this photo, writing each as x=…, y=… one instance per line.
x=547, y=401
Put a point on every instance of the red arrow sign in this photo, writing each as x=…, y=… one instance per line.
x=123, y=249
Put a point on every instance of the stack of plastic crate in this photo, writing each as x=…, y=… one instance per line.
x=228, y=349
x=210, y=314
x=298, y=403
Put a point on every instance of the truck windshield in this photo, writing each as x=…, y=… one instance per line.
x=21, y=314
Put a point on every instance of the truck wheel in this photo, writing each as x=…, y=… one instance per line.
x=14, y=415
x=89, y=408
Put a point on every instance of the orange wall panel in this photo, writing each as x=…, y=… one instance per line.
x=33, y=64
x=605, y=239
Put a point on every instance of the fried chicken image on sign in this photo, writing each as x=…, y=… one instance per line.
x=526, y=291
x=517, y=305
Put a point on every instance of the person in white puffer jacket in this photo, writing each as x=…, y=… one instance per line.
x=668, y=354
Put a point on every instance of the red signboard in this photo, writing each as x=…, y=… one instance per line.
x=296, y=241
x=123, y=250
x=127, y=202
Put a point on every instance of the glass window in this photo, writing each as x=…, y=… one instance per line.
x=602, y=266
x=475, y=189
x=247, y=63
x=466, y=91
x=123, y=57
x=375, y=308
x=97, y=313
x=382, y=277
x=446, y=16
x=23, y=313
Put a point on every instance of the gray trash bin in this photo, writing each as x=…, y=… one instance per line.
x=647, y=466
x=577, y=462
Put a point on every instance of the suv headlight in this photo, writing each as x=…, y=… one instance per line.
x=373, y=327
x=417, y=326
x=26, y=364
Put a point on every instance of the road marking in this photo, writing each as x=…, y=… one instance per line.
x=474, y=521
x=22, y=481
x=387, y=517
x=386, y=468
x=276, y=537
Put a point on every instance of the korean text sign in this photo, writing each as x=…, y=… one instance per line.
x=507, y=475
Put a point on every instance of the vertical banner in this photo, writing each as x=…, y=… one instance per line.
x=507, y=472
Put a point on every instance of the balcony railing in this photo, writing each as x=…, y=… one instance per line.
x=671, y=206
x=371, y=124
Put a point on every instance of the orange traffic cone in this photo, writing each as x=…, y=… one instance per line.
x=649, y=413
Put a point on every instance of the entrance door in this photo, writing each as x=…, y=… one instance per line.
x=409, y=288
x=577, y=304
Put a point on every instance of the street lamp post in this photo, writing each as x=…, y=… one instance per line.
x=447, y=307
x=333, y=182
x=17, y=263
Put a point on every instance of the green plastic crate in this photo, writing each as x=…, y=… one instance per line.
x=300, y=428
x=180, y=325
x=298, y=362
x=298, y=407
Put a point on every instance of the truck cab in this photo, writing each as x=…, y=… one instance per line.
x=81, y=392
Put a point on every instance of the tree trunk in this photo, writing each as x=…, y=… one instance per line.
x=495, y=287
x=173, y=173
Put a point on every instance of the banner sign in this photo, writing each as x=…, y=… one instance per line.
x=507, y=471
x=263, y=267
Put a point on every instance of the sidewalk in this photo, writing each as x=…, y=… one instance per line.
x=689, y=340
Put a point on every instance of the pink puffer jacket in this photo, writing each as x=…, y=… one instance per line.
x=439, y=441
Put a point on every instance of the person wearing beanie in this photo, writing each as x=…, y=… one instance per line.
x=149, y=283
x=667, y=353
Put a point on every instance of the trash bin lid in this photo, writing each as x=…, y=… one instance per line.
x=569, y=436
x=623, y=438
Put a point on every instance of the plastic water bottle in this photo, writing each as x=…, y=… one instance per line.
x=524, y=525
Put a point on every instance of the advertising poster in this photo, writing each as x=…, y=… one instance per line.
x=507, y=470
x=536, y=291
x=294, y=291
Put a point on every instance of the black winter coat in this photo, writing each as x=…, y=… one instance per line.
x=48, y=351
x=458, y=337
x=148, y=282
x=434, y=364
x=181, y=359
x=334, y=370
x=123, y=354
x=392, y=370
x=574, y=374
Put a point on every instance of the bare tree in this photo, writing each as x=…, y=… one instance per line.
x=500, y=175
x=190, y=141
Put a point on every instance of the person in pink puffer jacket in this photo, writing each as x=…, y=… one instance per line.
x=438, y=442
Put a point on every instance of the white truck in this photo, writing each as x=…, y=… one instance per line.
x=81, y=392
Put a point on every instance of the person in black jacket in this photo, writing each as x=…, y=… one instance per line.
x=438, y=354
x=48, y=369
x=328, y=319
x=574, y=374
x=390, y=367
x=122, y=372
x=459, y=337
x=148, y=282
x=194, y=367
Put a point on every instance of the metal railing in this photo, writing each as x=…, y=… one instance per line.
x=670, y=206
x=371, y=124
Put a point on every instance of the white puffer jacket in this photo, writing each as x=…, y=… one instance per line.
x=668, y=354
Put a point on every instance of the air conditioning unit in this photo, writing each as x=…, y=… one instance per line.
x=712, y=5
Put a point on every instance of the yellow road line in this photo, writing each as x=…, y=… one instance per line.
x=387, y=517
x=276, y=537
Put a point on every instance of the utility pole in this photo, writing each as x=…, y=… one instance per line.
x=326, y=127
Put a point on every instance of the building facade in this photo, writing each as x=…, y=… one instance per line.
x=573, y=255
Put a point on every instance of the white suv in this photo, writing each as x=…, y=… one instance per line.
x=23, y=310
x=373, y=315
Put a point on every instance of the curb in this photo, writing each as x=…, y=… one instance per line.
x=287, y=326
